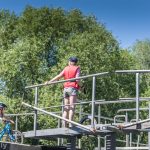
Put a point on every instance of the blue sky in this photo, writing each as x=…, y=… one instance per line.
x=128, y=20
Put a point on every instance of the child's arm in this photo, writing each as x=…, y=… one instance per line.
x=7, y=120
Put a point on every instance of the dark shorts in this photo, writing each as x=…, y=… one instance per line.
x=70, y=92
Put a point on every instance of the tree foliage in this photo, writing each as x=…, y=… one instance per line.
x=36, y=45
x=141, y=52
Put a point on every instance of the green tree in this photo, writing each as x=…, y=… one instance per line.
x=36, y=45
x=141, y=51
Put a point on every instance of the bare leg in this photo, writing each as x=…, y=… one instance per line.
x=66, y=112
x=72, y=100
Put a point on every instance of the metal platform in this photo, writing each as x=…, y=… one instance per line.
x=107, y=130
x=63, y=133
x=76, y=131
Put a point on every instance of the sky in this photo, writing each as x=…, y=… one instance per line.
x=128, y=20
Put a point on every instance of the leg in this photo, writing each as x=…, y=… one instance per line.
x=9, y=132
x=65, y=112
x=12, y=138
x=72, y=100
x=2, y=133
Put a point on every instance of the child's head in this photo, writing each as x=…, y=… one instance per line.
x=73, y=60
x=2, y=107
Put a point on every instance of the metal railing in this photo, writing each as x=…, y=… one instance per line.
x=94, y=102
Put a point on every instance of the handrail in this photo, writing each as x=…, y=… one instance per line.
x=121, y=116
x=59, y=117
x=136, y=99
x=92, y=75
x=78, y=103
x=62, y=81
x=131, y=109
x=135, y=123
x=132, y=98
x=26, y=114
x=119, y=101
x=58, y=112
x=132, y=71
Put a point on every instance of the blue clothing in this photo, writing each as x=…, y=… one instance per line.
x=7, y=130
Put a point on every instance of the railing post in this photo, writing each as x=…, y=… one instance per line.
x=59, y=125
x=16, y=123
x=127, y=135
x=99, y=121
x=35, y=111
x=130, y=139
x=137, y=96
x=93, y=102
x=80, y=116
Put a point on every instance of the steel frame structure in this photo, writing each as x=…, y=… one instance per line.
x=94, y=102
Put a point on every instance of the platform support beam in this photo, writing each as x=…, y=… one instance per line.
x=71, y=143
x=111, y=141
